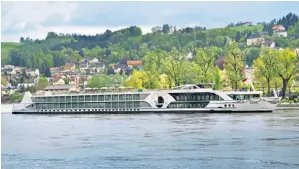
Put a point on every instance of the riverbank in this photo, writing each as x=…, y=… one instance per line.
x=10, y=101
x=288, y=105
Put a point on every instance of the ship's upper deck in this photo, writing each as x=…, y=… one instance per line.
x=187, y=88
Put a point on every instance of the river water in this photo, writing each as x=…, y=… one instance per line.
x=166, y=141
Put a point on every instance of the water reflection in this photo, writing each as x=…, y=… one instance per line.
x=151, y=141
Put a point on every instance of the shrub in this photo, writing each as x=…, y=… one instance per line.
x=293, y=97
x=16, y=97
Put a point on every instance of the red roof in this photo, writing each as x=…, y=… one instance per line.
x=277, y=27
x=134, y=62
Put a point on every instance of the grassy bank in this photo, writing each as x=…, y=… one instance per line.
x=6, y=47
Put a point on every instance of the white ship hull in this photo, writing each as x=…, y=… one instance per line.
x=212, y=107
x=168, y=101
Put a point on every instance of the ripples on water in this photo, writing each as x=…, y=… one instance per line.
x=151, y=141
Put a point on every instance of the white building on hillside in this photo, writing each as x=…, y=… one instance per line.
x=279, y=30
x=95, y=60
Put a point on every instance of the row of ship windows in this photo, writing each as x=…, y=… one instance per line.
x=188, y=105
x=87, y=98
x=245, y=97
x=87, y=110
x=196, y=97
x=87, y=105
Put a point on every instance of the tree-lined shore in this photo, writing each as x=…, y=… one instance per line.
x=164, y=54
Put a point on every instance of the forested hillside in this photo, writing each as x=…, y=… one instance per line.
x=6, y=47
x=111, y=47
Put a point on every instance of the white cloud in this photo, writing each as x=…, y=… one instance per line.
x=20, y=25
x=35, y=19
x=18, y=13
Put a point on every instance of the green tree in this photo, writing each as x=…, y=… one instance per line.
x=66, y=81
x=234, y=64
x=265, y=66
x=251, y=54
x=22, y=40
x=51, y=35
x=238, y=36
x=166, y=29
x=102, y=80
x=150, y=67
x=22, y=88
x=3, y=81
x=31, y=89
x=205, y=58
x=137, y=80
x=173, y=67
x=157, y=30
x=294, y=31
x=95, y=82
x=16, y=96
x=42, y=83
x=287, y=67
x=190, y=72
x=276, y=83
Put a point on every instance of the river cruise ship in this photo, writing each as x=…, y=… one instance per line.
x=182, y=99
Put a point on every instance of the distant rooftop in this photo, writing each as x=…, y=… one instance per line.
x=134, y=62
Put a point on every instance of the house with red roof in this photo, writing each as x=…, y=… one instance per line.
x=132, y=63
x=279, y=30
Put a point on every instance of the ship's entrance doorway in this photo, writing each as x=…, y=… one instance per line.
x=160, y=102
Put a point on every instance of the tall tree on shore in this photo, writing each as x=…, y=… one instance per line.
x=265, y=65
x=190, y=72
x=173, y=67
x=137, y=80
x=205, y=58
x=150, y=68
x=287, y=67
x=234, y=64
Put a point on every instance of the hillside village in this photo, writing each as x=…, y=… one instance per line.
x=74, y=76
x=71, y=76
x=259, y=39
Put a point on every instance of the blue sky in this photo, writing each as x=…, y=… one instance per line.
x=35, y=19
